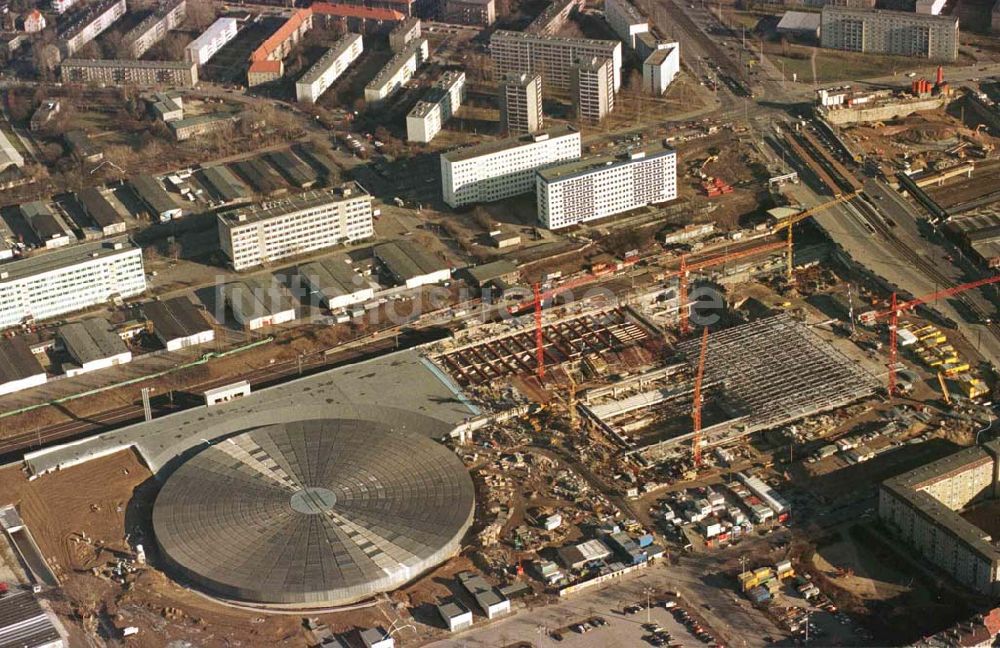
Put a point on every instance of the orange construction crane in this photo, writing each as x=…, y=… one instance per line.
x=687, y=268
x=539, y=338
x=801, y=216
x=696, y=401
x=895, y=308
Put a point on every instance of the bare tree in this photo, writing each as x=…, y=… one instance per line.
x=200, y=14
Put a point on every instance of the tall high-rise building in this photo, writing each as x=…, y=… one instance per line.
x=552, y=57
x=521, y=104
x=593, y=87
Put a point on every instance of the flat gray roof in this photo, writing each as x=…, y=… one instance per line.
x=876, y=13
x=407, y=260
x=91, y=339
x=98, y=207
x=332, y=278
x=658, y=56
x=490, y=271
x=485, y=594
x=175, y=318
x=225, y=183
x=274, y=208
x=451, y=609
x=607, y=45
x=66, y=256
x=424, y=401
x=153, y=194
x=329, y=56
x=588, y=165
x=23, y=621
x=16, y=360
x=257, y=297
x=128, y=63
x=413, y=48
x=496, y=146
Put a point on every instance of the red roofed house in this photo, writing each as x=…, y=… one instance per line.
x=357, y=18
x=980, y=631
x=266, y=61
x=34, y=22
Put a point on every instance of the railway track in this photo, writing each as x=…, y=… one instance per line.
x=905, y=252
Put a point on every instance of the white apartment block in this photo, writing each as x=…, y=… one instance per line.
x=404, y=33
x=397, y=71
x=505, y=168
x=69, y=279
x=88, y=26
x=898, y=33
x=428, y=116
x=661, y=68
x=257, y=234
x=625, y=20
x=593, y=89
x=553, y=57
x=328, y=68
x=203, y=48
x=594, y=188
x=168, y=15
x=521, y=104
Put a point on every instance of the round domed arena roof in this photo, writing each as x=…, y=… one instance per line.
x=313, y=513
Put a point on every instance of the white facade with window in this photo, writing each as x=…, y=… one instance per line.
x=660, y=68
x=591, y=189
x=428, y=116
x=397, y=71
x=258, y=234
x=498, y=170
x=328, y=68
x=625, y=20
x=69, y=279
x=203, y=48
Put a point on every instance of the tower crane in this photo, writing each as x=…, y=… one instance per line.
x=896, y=307
x=696, y=400
x=791, y=221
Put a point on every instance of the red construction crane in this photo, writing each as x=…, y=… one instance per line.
x=539, y=338
x=696, y=401
x=895, y=308
x=687, y=268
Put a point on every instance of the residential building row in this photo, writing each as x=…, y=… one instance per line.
x=898, y=33
x=552, y=57
x=267, y=61
x=661, y=68
x=429, y=115
x=328, y=68
x=400, y=69
x=404, y=33
x=87, y=24
x=479, y=13
x=254, y=235
x=593, y=188
x=625, y=20
x=119, y=72
x=553, y=17
x=504, y=168
x=201, y=50
x=168, y=15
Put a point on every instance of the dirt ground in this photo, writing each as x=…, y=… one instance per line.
x=864, y=574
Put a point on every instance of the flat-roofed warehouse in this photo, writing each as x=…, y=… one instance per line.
x=293, y=169
x=410, y=264
x=178, y=323
x=19, y=368
x=262, y=178
x=501, y=273
x=70, y=279
x=224, y=184
x=104, y=215
x=155, y=197
x=93, y=344
x=49, y=228
x=257, y=302
x=337, y=284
